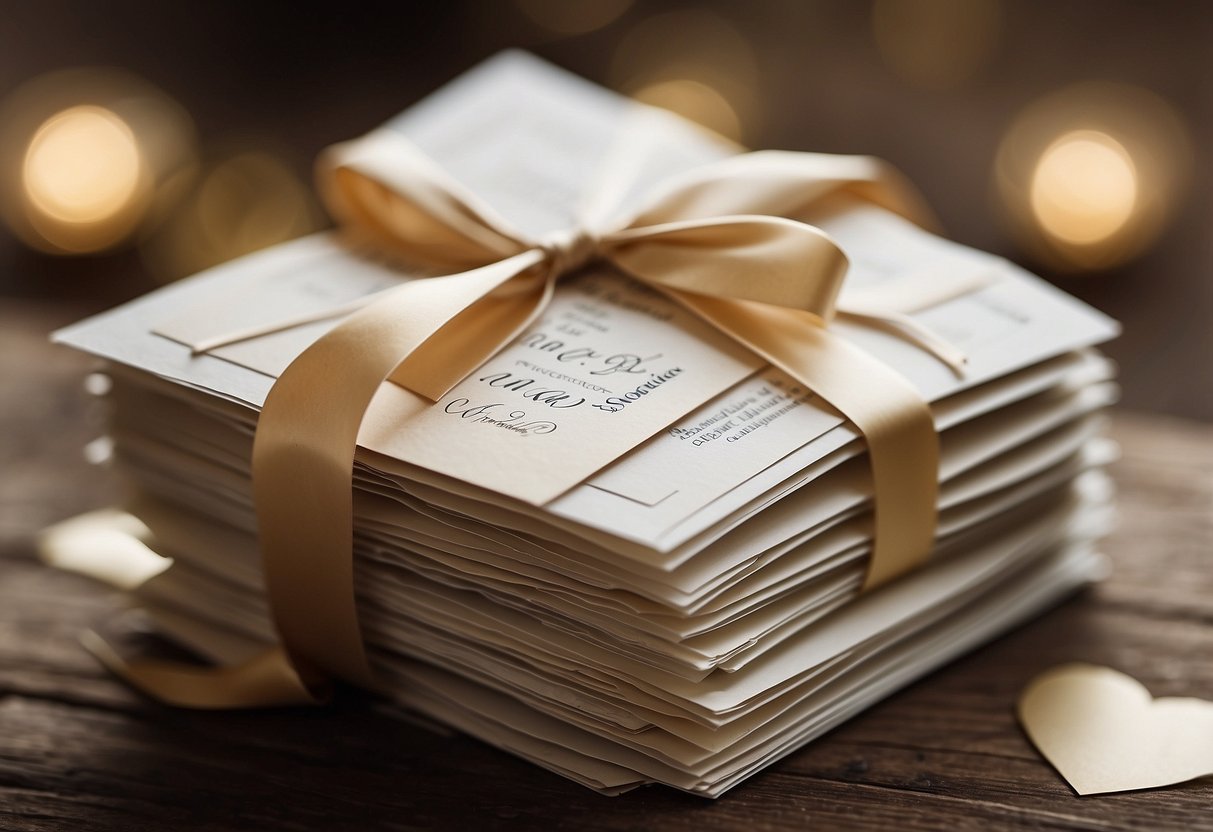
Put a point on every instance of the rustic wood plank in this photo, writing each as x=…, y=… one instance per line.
x=80, y=751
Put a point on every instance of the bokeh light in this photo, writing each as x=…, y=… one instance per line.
x=84, y=158
x=695, y=101
x=694, y=62
x=936, y=44
x=248, y=199
x=1090, y=175
x=573, y=17
x=1084, y=188
x=82, y=166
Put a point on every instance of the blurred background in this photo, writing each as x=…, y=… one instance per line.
x=141, y=142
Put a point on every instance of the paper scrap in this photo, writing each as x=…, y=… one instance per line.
x=1104, y=732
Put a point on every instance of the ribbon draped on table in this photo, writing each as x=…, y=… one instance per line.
x=719, y=240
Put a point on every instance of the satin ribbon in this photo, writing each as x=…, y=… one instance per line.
x=720, y=240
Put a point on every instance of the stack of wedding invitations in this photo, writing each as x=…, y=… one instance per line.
x=624, y=547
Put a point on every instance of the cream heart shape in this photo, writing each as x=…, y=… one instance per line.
x=1105, y=733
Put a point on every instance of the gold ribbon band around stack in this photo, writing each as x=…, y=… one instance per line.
x=720, y=241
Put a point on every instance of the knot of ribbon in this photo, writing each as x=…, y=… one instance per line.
x=567, y=251
x=723, y=240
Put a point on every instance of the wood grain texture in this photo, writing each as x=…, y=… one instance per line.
x=80, y=751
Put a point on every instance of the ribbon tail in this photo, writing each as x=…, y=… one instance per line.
x=473, y=336
x=911, y=330
x=116, y=548
x=888, y=305
x=896, y=422
x=303, y=459
x=272, y=327
x=269, y=679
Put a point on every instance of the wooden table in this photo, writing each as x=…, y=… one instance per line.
x=80, y=751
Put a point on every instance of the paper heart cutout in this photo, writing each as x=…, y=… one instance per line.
x=1105, y=733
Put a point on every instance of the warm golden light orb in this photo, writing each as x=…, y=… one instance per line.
x=1084, y=189
x=82, y=166
x=85, y=156
x=696, y=101
x=1090, y=175
x=247, y=200
x=250, y=201
x=695, y=62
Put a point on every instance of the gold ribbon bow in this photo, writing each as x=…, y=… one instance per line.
x=721, y=240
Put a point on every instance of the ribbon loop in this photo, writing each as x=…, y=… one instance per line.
x=782, y=183
x=769, y=260
x=384, y=187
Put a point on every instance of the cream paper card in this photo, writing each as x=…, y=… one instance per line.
x=610, y=364
x=1103, y=731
